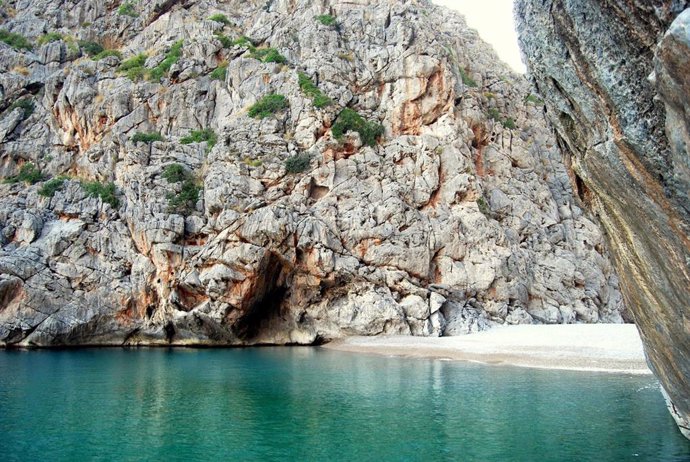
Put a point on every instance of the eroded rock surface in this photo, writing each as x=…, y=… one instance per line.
x=460, y=216
x=616, y=79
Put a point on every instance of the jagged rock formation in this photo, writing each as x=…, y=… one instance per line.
x=616, y=79
x=461, y=215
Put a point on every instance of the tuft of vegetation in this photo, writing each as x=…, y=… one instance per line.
x=220, y=72
x=268, y=105
x=133, y=67
x=50, y=37
x=185, y=200
x=349, y=120
x=349, y=56
x=534, y=99
x=224, y=40
x=327, y=20
x=312, y=91
x=27, y=105
x=467, y=79
x=221, y=18
x=147, y=137
x=28, y=173
x=175, y=173
x=91, y=48
x=107, y=192
x=297, y=163
x=496, y=116
x=105, y=54
x=268, y=55
x=16, y=41
x=200, y=136
x=244, y=42
x=483, y=206
x=171, y=57
x=51, y=187
x=128, y=8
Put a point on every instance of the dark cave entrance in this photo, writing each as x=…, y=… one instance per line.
x=265, y=305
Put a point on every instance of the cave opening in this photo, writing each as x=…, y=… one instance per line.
x=264, y=307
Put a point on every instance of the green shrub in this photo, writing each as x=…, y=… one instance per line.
x=28, y=173
x=147, y=137
x=268, y=105
x=494, y=114
x=105, y=54
x=221, y=18
x=483, y=206
x=27, y=105
x=244, y=42
x=297, y=163
x=185, y=200
x=466, y=79
x=50, y=37
x=311, y=90
x=327, y=20
x=127, y=9
x=171, y=57
x=175, y=173
x=133, y=67
x=107, y=192
x=220, y=72
x=267, y=55
x=349, y=120
x=533, y=99
x=200, y=136
x=51, y=187
x=224, y=40
x=509, y=123
x=16, y=41
x=91, y=48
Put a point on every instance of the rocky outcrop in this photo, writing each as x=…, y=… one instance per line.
x=616, y=78
x=279, y=229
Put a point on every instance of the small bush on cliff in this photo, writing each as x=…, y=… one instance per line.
x=174, y=173
x=224, y=40
x=297, y=163
x=147, y=137
x=50, y=37
x=349, y=120
x=107, y=192
x=221, y=18
x=311, y=90
x=268, y=55
x=200, y=136
x=128, y=8
x=171, y=57
x=105, y=54
x=90, y=48
x=185, y=200
x=466, y=79
x=268, y=105
x=16, y=41
x=26, y=105
x=28, y=173
x=220, y=72
x=327, y=20
x=51, y=187
x=133, y=67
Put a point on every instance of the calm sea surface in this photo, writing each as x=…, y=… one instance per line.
x=308, y=404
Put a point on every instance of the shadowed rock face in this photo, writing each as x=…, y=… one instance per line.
x=460, y=216
x=615, y=76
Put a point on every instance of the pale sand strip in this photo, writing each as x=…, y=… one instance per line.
x=579, y=347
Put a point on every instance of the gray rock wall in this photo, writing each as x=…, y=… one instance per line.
x=615, y=76
x=460, y=216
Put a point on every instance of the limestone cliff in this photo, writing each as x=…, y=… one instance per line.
x=290, y=171
x=616, y=79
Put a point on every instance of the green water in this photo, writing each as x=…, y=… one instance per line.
x=307, y=404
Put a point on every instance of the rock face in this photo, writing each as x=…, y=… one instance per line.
x=616, y=79
x=278, y=229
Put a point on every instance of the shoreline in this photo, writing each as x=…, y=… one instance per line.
x=613, y=348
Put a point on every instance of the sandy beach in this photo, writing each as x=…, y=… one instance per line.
x=580, y=347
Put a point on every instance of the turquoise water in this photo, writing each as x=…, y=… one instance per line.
x=308, y=404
